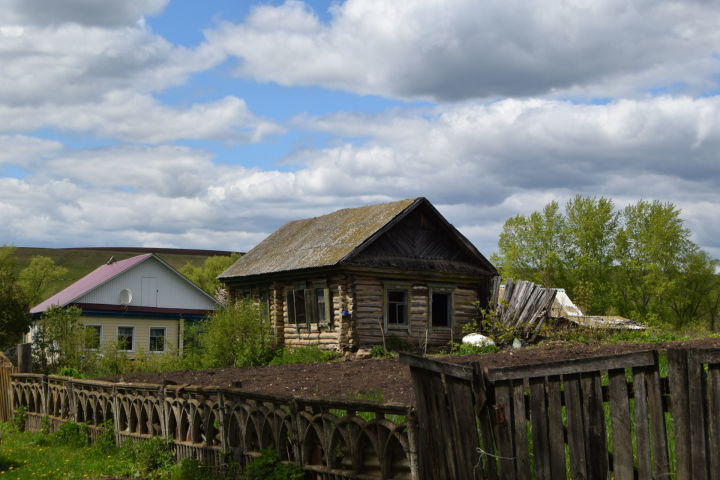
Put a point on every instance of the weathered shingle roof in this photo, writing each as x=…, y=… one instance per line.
x=318, y=242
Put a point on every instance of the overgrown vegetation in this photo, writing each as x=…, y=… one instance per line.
x=205, y=276
x=308, y=354
x=269, y=467
x=638, y=262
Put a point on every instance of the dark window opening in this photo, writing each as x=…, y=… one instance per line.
x=396, y=307
x=440, y=309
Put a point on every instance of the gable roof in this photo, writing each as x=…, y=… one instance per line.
x=331, y=239
x=100, y=276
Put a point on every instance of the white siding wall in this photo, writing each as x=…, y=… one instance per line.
x=172, y=291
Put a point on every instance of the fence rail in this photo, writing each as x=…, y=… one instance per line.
x=328, y=439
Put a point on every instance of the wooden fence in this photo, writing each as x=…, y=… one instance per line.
x=5, y=397
x=331, y=440
x=594, y=418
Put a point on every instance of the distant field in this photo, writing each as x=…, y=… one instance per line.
x=81, y=261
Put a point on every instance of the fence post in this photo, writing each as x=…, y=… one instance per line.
x=24, y=357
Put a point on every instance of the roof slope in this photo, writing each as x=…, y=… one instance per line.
x=343, y=238
x=319, y=241
x=90, y=281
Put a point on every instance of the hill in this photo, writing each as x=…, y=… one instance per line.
x=81, y=261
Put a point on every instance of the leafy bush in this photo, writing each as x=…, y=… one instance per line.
x=189, y=469
x=309, y=354
x=378, y=351
x=268, y=467
x=70, y=372
x=105, y=441
x=72, y=434
x=238, y=335
x=151, y=458
x=20, y=418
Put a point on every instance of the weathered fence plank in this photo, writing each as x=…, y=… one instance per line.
x=576, y=426
x=555, y=427
x=503, y=423
x=696, y=406
x=642, y=426
x=620, y=415
x=522, y=453
x=714, y=424
x=538, y=420
x=678, y=382
x=6, y=411
x=596, y=449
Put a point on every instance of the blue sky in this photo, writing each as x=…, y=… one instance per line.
x=209, y=124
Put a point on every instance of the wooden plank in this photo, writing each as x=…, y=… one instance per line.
x=714, y=420
x=463, y=442
x=457, y=371
x=594, y=420
x=488, y=443
x=503, y=423
x=580, y=365
x=575, y=426
x=697, y=409
x=658, y=432
x=555, y=428
x=678, y=382
x=522, y=452
x=538, y=419
x=642, y=426
x=620, y=416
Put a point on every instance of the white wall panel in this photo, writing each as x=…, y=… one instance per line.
x=172, y=290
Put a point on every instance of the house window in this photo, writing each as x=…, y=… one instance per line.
x=440, y=309
x=93, y=336
x=125, y=338
x=441, y=306
x=396, y=305
x=308, y=304
x=157, y=339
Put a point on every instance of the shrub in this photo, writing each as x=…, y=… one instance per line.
x=152, y=458
x=309, y=354
x=268, y=467
x=238, y=335
x=105, y=441
x=73, y=434
x=70, y=372
x=469, y=349
x=20, y=418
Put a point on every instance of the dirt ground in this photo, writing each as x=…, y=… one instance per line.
x=381, y=380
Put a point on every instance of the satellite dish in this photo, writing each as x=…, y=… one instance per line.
x=125, y=296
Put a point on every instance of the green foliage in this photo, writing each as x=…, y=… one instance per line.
x=151, y=458
x=45, y=425
x=238, y=335
x=469, y=349
x=205, y=277
x=189, y=469
x=105, y=440
x=268, y=467
x=638, y=262
x=60, y=340
x=308, y=354
x=20, y=418
x=38, y=275
x=70, y=372
x=378, y=351
x=14, y=303
x=72, y=434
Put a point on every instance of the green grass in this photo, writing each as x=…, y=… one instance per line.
x=31, y=456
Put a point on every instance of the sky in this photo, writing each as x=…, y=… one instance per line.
x=178, y=123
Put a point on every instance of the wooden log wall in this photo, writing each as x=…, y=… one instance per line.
x=593, y=418
x=369, y=298
x=5, y=390
x=330, y=439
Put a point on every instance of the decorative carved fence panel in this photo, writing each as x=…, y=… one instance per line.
x=329, y=440
x=594, y=418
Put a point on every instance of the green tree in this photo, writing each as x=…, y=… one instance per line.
x=206, y=276
x=532, y=247
x=59, y=340
x=14, y=310
x=638, y=262
x=37, y=276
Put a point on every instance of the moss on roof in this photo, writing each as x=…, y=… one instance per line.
x=317, y=242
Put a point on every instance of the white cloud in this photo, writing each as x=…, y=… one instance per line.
x=20, y=150
x=466, y=49
x=85, y=12
x=140, y=118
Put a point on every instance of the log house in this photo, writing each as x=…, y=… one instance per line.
x=349, y=278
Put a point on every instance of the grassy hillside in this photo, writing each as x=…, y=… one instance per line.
x=81, y=261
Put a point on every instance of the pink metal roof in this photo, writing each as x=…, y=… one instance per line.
x=90, y=281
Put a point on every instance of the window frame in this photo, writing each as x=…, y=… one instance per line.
x=150, y=337
x=132, y=338
x=406, y=289
x=100, y=336
x=442, y=289
x=311, y=308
